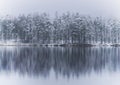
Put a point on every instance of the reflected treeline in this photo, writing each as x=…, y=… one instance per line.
x=74, y=61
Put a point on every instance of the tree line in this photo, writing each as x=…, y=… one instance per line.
x=68, y=28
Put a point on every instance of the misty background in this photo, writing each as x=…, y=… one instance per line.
x=106, y=8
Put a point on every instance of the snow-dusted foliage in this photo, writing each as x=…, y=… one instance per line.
x=65, y=29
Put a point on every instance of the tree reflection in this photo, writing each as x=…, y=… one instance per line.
x=65, y=61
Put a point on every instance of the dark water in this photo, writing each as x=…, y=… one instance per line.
x=59, y=66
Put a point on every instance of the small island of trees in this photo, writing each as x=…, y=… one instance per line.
x=68, y=28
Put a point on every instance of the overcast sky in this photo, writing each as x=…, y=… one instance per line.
x=85, y=7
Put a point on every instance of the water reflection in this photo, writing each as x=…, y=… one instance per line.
x=74, y=61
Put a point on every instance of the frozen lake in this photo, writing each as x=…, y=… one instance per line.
x=59, y=65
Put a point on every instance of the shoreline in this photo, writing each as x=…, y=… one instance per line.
x=61, y=45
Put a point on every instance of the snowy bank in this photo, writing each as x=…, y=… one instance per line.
x=51, y=45
x=13, y=43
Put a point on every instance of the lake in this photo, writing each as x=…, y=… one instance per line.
x=59, y=65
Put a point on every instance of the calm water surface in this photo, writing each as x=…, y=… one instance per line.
x=59, y=65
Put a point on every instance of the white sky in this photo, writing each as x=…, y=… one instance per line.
x=86, y=7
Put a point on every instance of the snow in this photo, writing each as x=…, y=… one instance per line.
x=12, y=42
x=8, y=42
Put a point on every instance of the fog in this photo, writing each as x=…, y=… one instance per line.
x=84, y=7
